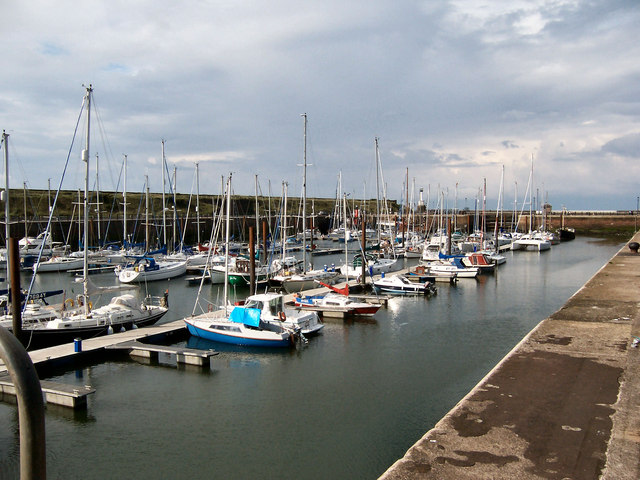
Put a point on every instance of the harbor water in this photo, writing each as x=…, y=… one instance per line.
x=345, y=406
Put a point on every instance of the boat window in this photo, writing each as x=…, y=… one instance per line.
x=253, y=304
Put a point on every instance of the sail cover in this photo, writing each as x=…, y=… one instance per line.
x=248, y=316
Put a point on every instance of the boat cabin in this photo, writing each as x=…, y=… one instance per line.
x=268, y=303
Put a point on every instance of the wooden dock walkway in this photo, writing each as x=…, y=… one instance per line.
x=141, y=342
x=53, y=392
x=65, y=355
x=188, y=356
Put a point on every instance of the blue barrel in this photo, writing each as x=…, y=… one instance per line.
x=77, y=345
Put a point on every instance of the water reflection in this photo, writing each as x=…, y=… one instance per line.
x=347, y=405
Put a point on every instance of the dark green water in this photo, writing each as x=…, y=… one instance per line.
x=344, y=407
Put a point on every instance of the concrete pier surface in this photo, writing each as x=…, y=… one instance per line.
x=563, y=404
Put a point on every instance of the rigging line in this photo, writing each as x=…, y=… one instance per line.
x=113, y=203
x=216, y=228
x=34, y=210
x=105, y=140
x=135, y=224
x=55, y=201
x=158, y=230
x=186, y=220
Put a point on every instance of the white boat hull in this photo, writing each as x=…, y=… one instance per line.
x=165, y=271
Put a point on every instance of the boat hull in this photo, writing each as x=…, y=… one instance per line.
x=218, y=335
x=243, y=279
x=164, y=273
x=48, y=337
x=58, y=265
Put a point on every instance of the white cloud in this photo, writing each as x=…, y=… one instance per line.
x=454, y=89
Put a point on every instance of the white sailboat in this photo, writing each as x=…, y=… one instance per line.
x=307, y=279
x=532, y=241
x=146, y=268
x=239, y=325
x=78, y=319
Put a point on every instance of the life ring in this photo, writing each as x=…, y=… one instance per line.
x=210, y=308
x=282, y=316
x=69, y=301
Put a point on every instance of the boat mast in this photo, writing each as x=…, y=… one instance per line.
x=85, y=158
x=24, y=202
x=7, y=233
x=405, y=220
x=175, y=213
x=146, y=214
x=484, y=211
x=455, y=210
x=530, y=187
x=515, y=208
x=269, y=209
x=498, y=212
x=124, y=200
x=79, y=219
x=284, y=220
x=164, y=211
x=198, y=201
x=304, y=197
x=98, y=200
x=346, y=240
x=49, y=194
x=257, y=218
x=226, y=245
x=377, y=191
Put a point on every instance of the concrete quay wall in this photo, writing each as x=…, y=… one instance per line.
x=563, y=404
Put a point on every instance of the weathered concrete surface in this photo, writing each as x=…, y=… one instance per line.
x=564, y=404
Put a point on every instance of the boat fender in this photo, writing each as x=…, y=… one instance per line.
x=210, y=308
x=282, y=316
x=90, y=306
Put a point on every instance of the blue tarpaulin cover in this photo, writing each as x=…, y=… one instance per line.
x=248, y=316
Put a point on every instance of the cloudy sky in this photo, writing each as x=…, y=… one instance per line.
x=453, y=89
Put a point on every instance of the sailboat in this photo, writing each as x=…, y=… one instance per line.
x=146, y=268
x=239, y=325
x=307, y=278
x=77, y=318
x=532, y=241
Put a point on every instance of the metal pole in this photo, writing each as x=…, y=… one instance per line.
x=7, y=228
x=198, y=203
x=13, y=263
x=363, y=273
x=124, y=205
x=85, y=158
x=164, y=212
x=33, y=463
x=252, y=262
x=304, y=198
x=147, y=246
